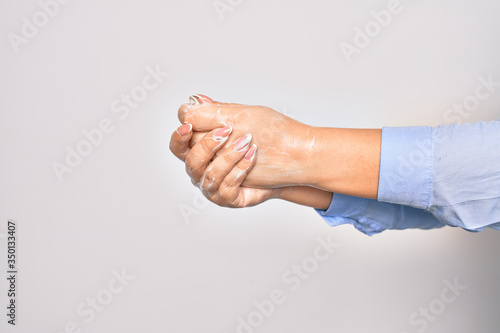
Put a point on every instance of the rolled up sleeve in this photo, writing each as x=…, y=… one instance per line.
x=451, y=171
x=430, y=177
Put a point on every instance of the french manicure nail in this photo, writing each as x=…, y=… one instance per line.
x=195, y=100
x=251, y=152
x=222, y=133
x=185, y=129
x=205, y=98
x=243, y=142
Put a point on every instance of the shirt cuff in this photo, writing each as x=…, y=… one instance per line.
x=406, y=166
x=372, y=217
x=345, y=209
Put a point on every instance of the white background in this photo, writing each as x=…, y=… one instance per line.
x=121, y=207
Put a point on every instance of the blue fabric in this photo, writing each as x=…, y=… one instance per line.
x=371, y=216
x=430, y=177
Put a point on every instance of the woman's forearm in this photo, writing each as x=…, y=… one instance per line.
x=344, y=161
x=292, y=153
x=338, y=160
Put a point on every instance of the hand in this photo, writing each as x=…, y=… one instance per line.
x=339, y=160
x=284, y=144
x=221, y=179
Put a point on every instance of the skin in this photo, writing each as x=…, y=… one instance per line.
x=296, y=162
x=291, y=153
x=219, y=170
x=281, y=140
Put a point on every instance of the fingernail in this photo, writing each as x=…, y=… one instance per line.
x=185, y=129
x=195, y=100
x=251, y=152
x=205, y=98
x=198, y=99
x=222, y=133
x=243, y=142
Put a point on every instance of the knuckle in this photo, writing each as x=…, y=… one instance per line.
x=207, y=145
x=228, y=158
x=237, y=204
x=210, y=177
x=225, y=196
x=242, y=166
x=209, y=188
x=224, y=188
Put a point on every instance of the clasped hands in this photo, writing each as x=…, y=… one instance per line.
x=240, y=156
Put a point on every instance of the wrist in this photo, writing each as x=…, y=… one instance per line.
x=308, y=156
x=303, y=147
x=342, y=160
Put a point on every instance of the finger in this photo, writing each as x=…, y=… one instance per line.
x=232, y=194
x=179, y=141
x=249, y=196
x=199, y=98
x=224, y=163
x=200, y=155
x=197, y=136
x=230, y=188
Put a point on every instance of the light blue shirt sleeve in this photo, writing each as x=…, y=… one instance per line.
x=371, y=216
x=429, y=177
